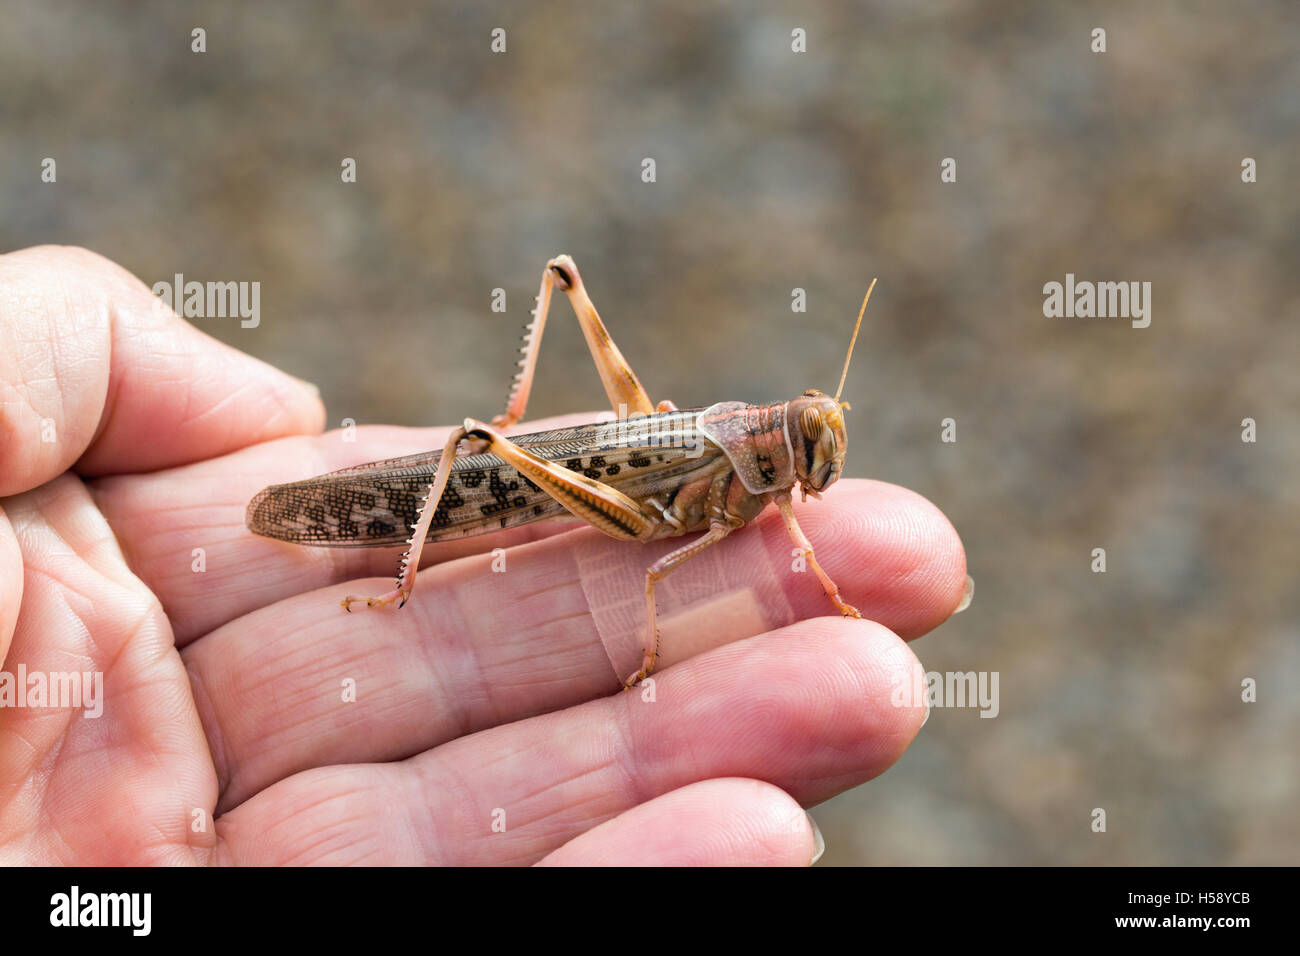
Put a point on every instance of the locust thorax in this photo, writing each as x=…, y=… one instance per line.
x=815, y=424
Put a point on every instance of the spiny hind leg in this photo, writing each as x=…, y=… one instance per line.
x=420, y=530
x=622, y=386
x=599, y=504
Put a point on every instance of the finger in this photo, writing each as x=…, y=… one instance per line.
x=731, y=822
x=11, y=584
x=102, y=756
x=163, y=517
x=475, y=648
x=95, y=371
x=809, y=709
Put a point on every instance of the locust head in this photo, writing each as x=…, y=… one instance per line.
x=815, y=426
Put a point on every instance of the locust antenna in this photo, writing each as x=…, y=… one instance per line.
x=852, y=341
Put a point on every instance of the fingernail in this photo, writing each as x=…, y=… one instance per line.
x=819, y=843
x=967, y=595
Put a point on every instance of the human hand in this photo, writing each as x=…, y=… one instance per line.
x=246, y=719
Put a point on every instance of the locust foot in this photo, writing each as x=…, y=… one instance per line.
x=647, y=665
x=848, y=610
x=397, y=594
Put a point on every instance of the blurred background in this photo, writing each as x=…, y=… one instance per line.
x=817, y=170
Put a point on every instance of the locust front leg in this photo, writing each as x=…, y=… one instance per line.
x=800, y=539
x=600, y=505
x=622, y=386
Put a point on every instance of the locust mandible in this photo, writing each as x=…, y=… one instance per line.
x=656, y=472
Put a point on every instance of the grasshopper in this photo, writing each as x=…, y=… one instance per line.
x=656, y=472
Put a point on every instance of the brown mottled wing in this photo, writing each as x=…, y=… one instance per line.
x=375, y=505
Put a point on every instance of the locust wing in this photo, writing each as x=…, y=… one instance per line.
x=376, y=504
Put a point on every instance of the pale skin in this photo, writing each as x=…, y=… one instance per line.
x=225, y=737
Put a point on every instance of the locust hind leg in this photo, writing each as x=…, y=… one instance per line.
x=622, y=386
x=599, y=504
x=800, y=539
x=420, y=530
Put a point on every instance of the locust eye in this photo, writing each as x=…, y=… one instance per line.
x=811, y=423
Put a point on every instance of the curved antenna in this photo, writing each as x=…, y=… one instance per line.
x=853, y=341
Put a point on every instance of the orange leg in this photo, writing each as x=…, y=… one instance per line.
x=800, y=539
x=596, y=503
x=656, y=573
x=621, y=384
